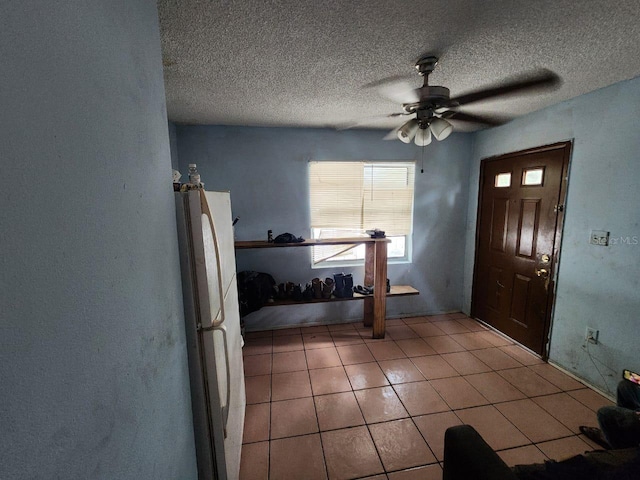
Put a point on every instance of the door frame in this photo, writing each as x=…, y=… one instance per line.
x=567, y=146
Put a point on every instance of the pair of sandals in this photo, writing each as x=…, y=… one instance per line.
x=369, y=290
x=595, y=435
x=363, y=290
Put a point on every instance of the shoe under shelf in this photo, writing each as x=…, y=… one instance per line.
x=396, y=291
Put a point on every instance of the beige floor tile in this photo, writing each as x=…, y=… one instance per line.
x=338, y=410
x=365, y=375
x=444, y=344
x=396, y=455
x=315, y=329
x=401, y=370
x=472, y=325
x=496, y=430
x=420, y=398
x=496, y=358
x=494, y=388
x=385, y=350
x=414, y=320
x=293, y=417
x=287, y=343
x=286, y=331
x=457, y=315
x=528, y=382
x=338, y=327
x=394, y=322
x=557, y=377
x=568, y=411
x=401, y=332
x=329, y=380
x=317, y=340
x=496, y=339
x=415, y=347
x=382, y=476
x=254, y=463
x=258, y=346
x=433, y=427
x=434, y=366
x=256, y=423
x=380, y=404
x=353, y=354
x=426, y=329
x=297, y=457
x=257, y=365
x=346, y=337
x=285, y=386
x=350, y=453
x=452, y=326
x=471, y=341
x=322, y=358
x=563, y=448
x=289, y=361
x=522, y=455
x=533, y=421
x=458, y=393
x=261, y=334
x=520, y=354
x=590, y=398
x=465, y=363
x=439, y=318
x=258, y=389
x=428, y=472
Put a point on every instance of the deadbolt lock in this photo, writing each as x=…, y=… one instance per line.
x=545, y=258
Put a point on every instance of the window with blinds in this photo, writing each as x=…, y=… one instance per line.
x=348, y=198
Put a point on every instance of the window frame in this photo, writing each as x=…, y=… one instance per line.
x=354, y=262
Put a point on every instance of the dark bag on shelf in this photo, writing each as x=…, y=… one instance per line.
x=254, y=291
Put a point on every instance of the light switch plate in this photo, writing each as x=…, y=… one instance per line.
x=599, y=237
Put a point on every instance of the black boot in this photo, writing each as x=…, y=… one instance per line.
x=338, y=278
x=347, y=289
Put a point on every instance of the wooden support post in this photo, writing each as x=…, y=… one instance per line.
x=369, y=278
x=380, y=289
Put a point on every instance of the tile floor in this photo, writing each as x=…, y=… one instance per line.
x=331, y=402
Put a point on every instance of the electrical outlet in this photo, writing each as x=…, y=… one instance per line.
x=592, y=335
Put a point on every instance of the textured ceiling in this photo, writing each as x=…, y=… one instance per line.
x=305, y=63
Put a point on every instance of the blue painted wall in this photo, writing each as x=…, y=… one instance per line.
x=93, y=367
x=596, y=286
x=266, y=171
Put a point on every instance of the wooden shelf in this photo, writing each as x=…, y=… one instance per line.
x=244, y=244
x=396, y=291
x=375, y=273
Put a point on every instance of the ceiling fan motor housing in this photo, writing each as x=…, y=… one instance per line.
x=431, y=97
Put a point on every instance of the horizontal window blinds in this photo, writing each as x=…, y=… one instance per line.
x=362, y=196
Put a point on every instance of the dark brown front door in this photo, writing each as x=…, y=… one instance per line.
x=520, y=215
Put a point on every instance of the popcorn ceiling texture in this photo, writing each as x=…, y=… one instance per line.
x=305, y=63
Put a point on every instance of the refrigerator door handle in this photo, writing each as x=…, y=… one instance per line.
x=207, y=212
x=225, y=408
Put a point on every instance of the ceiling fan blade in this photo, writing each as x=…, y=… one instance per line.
x=546, y=79
x=361, y=123
x=397, y=89
x=392, y=135
x=472, y=118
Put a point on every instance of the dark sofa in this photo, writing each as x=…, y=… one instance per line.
x=468, y=457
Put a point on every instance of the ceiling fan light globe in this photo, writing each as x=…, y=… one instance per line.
x=441, y=129
x=423, y=137
x=407, y=131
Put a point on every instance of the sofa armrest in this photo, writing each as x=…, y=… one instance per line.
x=468, y=457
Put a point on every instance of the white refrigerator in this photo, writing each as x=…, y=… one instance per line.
x=214, y=340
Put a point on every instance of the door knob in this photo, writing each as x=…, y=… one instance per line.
x=542, y=272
